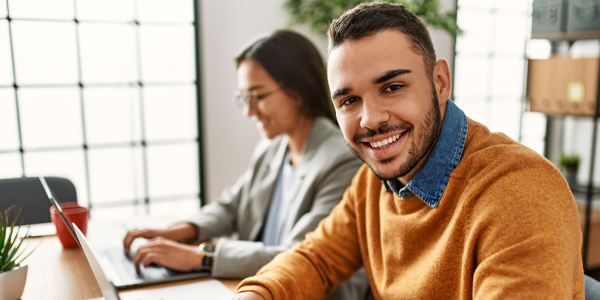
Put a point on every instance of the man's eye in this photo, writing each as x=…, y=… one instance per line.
x=393, y=88
x=349, y=101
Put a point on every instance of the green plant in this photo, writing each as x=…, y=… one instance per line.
x=569, y=161
x=9, y=242
x=319, y=13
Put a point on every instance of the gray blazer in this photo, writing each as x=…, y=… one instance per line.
x=325, y=171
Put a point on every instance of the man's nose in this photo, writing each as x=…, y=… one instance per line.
x=373, y=113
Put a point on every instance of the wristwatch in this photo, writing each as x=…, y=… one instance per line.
x=209, y=255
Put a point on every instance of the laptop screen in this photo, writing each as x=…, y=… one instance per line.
x=58, y=208
x=106, y=286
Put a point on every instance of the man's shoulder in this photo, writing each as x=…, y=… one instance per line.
x=498, y=173
x=486, y=152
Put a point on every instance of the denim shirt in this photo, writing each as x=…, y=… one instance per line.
x=430, y=182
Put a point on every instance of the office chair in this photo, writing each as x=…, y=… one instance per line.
x=27, y=194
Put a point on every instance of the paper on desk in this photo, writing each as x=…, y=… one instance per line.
x=210, y=289
x=35, y=230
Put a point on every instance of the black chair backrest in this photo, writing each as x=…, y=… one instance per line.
x=27, y=194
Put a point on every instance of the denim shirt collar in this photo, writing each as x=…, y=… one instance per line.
x=430, y=182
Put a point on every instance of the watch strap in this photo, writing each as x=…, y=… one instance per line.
x=209, y=255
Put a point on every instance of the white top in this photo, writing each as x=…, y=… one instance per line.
x=279, y=203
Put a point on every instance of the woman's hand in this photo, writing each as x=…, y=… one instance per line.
x=248, y=296
x=170, y=254
x=179, y=232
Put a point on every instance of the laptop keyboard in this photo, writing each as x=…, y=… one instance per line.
x=125, y=270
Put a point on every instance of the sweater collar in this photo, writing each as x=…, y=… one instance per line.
x=430, y=182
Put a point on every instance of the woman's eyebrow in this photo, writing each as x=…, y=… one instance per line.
x=255, y=87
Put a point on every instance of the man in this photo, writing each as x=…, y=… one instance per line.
x=445, y=209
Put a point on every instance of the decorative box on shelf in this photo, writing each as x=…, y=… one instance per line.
x=563, y=85
x=565, y=19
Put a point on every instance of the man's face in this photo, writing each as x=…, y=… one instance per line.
x=386, y=103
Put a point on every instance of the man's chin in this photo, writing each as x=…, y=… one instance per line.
x=384, y=170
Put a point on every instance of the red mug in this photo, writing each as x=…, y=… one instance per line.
x=73, y=213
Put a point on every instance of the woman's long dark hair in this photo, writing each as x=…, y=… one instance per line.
x=296, y=65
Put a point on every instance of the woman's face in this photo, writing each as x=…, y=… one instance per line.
x=276, y=112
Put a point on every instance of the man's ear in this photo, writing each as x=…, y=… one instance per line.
x=442, y=79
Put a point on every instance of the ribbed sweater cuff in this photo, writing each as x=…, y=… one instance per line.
x=264, y=292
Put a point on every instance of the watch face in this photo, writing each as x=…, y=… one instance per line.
x=209, y=248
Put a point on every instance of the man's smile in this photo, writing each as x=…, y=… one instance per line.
x=385, y=142
x=382, y=147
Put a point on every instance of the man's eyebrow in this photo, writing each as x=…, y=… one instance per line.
x=341, y=92
x=390, y=74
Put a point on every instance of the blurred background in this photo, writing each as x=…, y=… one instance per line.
x=131, y=99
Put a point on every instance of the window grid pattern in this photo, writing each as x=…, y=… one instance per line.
x=140, y=146
x=491, y=68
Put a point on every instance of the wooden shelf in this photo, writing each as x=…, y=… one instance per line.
x=567, y=35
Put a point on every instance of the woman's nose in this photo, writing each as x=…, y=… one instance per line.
x=249, y=109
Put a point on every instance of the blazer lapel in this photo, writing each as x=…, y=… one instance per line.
x=263, y=189
x=317, y=134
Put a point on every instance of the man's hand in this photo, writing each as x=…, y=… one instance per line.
x=179, y=232
x=170, y=254
x=247, y=296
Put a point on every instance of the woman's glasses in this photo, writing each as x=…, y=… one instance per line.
x=242, y=99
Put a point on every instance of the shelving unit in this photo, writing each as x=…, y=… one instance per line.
x=588, y=190
x=590, y=185
x=560, y=86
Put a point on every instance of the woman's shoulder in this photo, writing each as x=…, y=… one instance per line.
x=326, y=144
x=326, y=136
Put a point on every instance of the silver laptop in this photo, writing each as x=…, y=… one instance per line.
x=119, y=267
x=106, y=286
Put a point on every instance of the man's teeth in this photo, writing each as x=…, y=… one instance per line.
x=386, y=142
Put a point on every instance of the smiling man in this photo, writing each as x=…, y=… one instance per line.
x=443, y=208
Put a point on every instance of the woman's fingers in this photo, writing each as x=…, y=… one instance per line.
x=138, y=233
x=169, y=254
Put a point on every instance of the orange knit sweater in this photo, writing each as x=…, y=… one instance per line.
x=506, y=227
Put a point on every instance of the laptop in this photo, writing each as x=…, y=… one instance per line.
x=119, y=266
x=106, y=286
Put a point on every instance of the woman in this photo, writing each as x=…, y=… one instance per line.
x=297, y=174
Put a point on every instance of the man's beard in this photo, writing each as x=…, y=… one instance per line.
x=418, y=149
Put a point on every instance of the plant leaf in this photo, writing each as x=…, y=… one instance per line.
x=9, y=245
x=319, y=13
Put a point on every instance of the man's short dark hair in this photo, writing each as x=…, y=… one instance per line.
x=370, y=18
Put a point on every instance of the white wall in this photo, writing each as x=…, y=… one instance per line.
x=229, y=138
x=227, y=26
x=443, y=42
